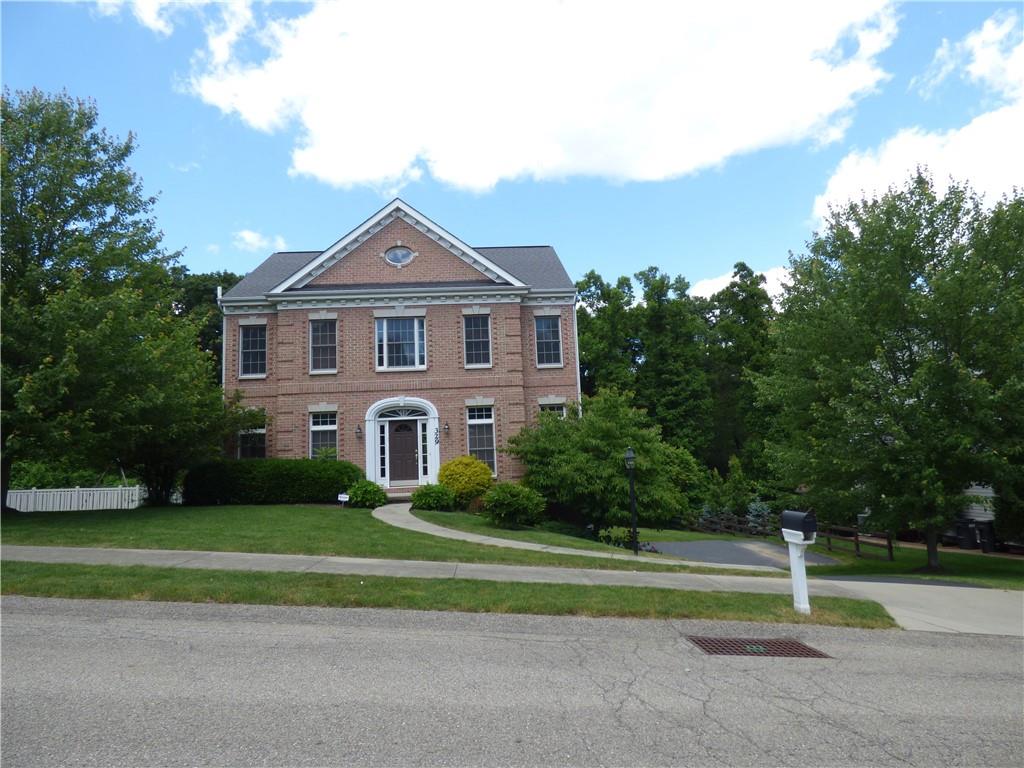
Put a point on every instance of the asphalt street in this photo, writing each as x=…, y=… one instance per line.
x=138, y=684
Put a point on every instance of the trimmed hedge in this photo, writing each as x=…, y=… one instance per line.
x=269, y=481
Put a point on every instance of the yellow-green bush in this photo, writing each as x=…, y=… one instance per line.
x=465, y=476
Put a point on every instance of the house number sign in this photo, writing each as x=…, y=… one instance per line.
x=437, y=435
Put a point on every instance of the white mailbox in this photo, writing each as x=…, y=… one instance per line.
x=799, y=529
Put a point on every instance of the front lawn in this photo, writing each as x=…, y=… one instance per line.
x=1000, y=572
x=284, y=529
x=201, y=586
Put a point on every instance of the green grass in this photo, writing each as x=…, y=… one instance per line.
x=1000, y=572
x=283, y=529
x=550, y=534
x=202, y=586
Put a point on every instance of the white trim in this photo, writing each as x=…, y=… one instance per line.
x=479, y=402
x=384, y=298
x=400, y=310
x=309, y=342
x=332, y=410
x=416, y=339
x=252, y=321
x=536, y=341
x=242, y=325
x=576, y=352
x=490, y=340
x=371, y=435
x=396, y=209
x=552, y=400
x=491, y=421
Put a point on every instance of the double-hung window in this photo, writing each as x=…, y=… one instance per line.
x=401, y=343
x=480, y=429
x=323, y=346
x=477, y=330
x=252, y=444
x=549, y=340
x=252, y=350
x=323, y=433
x=558, y=408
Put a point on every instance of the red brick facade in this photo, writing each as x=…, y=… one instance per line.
x=514, y=383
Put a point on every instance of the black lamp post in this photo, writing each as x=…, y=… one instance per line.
x=630, y=466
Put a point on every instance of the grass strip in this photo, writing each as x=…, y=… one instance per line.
x=472, y=596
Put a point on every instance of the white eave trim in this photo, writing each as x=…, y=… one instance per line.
x=395, y=209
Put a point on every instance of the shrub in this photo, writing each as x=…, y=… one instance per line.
x=269, y=481
x=435, y=497
x=366, y=494
x=577, y=464
x=465, y=476
x=510, y=504
x=617, y=536
x=760, y=518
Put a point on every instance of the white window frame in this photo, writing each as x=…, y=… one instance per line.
x=476, y=422
x=259, y=431
x=558, y=408
x=465, y=344
x=322, y=428
x=536, y=342
x=309, y=333
x=419, y=340
x=241, y=344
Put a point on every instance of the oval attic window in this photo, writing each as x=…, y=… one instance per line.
x=399, y=256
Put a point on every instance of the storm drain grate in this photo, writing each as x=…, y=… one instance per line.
x=746, y=646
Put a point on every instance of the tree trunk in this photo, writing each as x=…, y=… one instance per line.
x=931, y=537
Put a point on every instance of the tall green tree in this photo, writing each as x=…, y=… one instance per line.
x=898, y=367
x=196, y=297
x=606, y=324
x=88, y=328
x=739, y=317
x=671, y=381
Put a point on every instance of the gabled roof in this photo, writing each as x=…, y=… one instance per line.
x=536, y=267
x=396, y=209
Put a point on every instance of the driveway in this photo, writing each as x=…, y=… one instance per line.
x=139, y=684
x=739, y=552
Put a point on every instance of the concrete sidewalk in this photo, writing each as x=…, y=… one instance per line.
x=913, y=606
x=400, y=516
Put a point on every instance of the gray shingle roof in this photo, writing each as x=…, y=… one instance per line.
x=271, y=272
x=537, y=266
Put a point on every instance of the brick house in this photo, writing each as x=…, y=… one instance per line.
x=401, y=347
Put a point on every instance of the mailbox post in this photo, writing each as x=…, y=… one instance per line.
x=799, y=529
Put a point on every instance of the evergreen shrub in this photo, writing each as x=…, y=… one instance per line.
x=465, y=476
x=366, y=494
x=511, y=504
x=433, y=497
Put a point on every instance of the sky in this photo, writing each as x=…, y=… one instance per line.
x=688, y=136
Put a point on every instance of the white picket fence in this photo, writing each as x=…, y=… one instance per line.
x=76, y=499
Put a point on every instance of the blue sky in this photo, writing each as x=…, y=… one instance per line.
x=624, y=135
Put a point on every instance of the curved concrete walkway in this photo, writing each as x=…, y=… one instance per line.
x=400, y=516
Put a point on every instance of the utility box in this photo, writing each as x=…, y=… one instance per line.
x=804, y=523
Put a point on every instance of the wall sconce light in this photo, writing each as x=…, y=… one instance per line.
x=359, y=431
x=446, y=427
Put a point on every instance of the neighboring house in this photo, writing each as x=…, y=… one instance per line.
x=401, y=347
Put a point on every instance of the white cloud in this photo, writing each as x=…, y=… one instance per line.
x=774, y=280
x=980, y=152
x=154, y=14
x=250, y=240
x=213, y=248
x=990, y=56
x=476, y=93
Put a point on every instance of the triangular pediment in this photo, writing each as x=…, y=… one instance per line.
x=358, y=257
